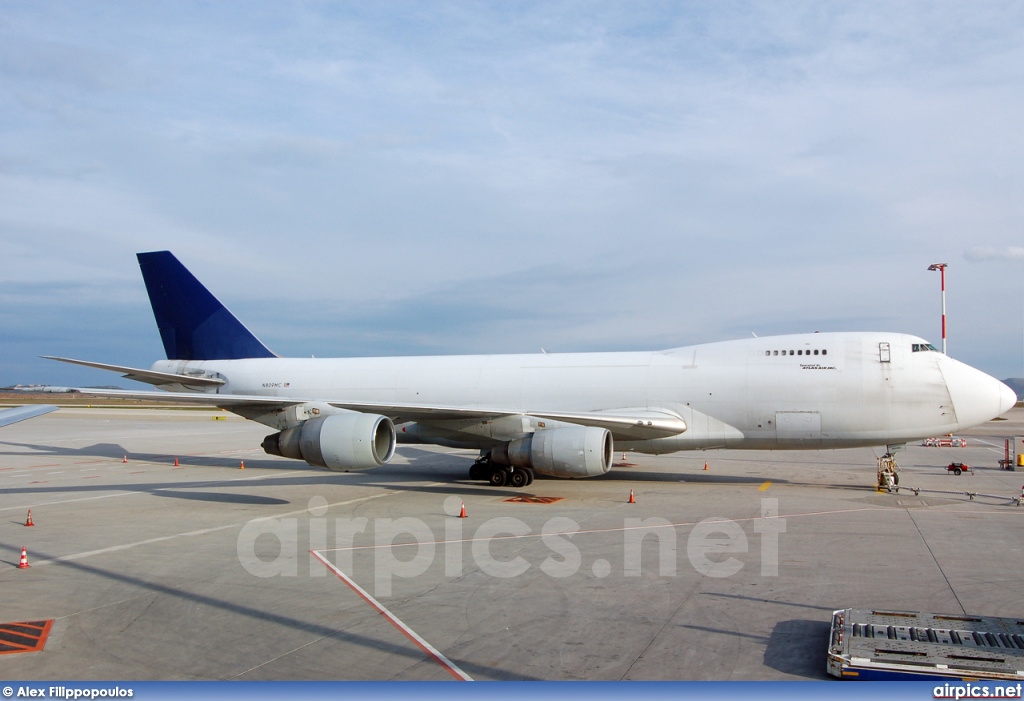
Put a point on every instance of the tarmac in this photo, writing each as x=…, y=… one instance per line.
x=203, y=570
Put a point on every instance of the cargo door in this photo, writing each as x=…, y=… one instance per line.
x=798, y=429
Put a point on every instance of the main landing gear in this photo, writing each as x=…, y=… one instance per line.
x=500, y=475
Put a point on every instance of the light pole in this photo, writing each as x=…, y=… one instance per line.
x=941, y=267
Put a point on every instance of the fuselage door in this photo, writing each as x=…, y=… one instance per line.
x=883, y=352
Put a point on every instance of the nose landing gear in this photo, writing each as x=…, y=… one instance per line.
x=888, y=473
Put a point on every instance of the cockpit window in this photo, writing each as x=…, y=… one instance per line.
x=919, y=347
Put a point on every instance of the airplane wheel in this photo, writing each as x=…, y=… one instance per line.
x=529, y=477
x=498, y=478
x=517, y=479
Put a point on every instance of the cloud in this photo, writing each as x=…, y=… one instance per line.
x=983, y=253
x=384, y=179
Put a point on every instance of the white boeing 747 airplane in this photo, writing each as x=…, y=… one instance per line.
x=559, y=414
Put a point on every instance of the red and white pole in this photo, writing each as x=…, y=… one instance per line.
x=941, y=267
x=943, y=275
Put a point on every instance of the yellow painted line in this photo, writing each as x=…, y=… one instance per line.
x=764, y=487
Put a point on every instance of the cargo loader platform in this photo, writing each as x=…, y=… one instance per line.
x=889, y=645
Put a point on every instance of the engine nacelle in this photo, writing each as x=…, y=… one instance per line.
x=341, y=442
x=572, y=451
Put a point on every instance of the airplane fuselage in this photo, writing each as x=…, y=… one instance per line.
x=804, y=391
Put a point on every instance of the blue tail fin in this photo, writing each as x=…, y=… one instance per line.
x=193, y=324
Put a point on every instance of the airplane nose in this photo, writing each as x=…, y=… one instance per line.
x=976, y=397
x=1007, y=399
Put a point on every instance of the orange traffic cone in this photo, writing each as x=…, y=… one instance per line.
x=705, y=464
x=28, y=521
x=632, y=499
x=125, y=460
x=24, y=559
x=175, y=462
x=242, y=466
x=462, y=514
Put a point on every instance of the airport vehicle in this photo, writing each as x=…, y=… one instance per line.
x=945, y=442
x=957, y=467
x=897, y=645
x=558, y=414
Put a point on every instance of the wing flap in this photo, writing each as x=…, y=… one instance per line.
x=625, y=424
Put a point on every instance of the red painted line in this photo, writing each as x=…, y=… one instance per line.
x=408, y=632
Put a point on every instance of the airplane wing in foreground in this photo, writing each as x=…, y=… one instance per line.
x=21, y=413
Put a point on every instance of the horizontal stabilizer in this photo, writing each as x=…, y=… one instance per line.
x=148, y=376
x=226, y=401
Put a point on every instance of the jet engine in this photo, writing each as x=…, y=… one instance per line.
x=572, y=451
x=340, y=442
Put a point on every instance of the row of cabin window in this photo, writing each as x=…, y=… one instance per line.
x=799, y=352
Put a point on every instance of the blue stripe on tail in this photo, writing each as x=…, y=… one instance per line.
x=193, y=324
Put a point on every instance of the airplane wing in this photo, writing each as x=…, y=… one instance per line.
x=148, y=376
x=625, y=424
x=12, y=416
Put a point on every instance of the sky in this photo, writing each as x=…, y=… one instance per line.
x=404, y=178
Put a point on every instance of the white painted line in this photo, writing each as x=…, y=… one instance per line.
x=59, y=472
x=189, y=534
x=422, y=644
x=177, y=486
x=68, y=501
x=126, y=546
x=622, y=529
